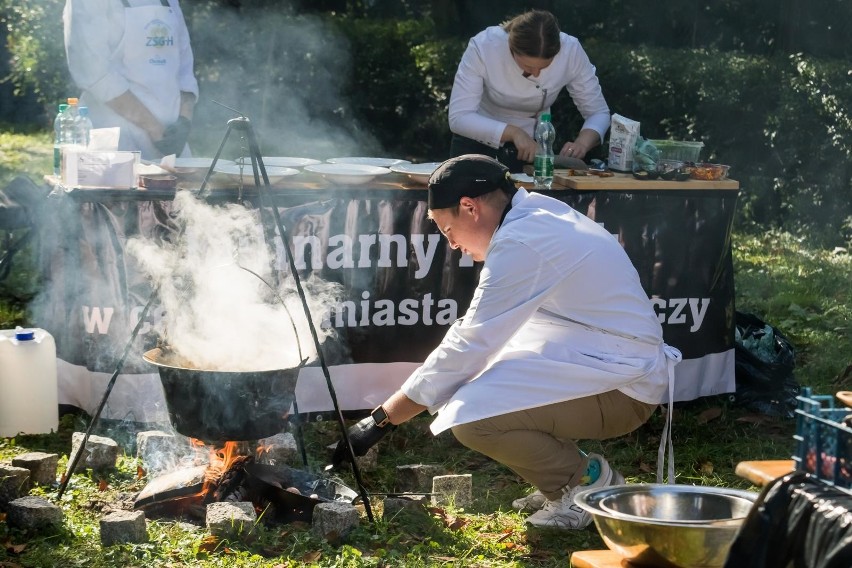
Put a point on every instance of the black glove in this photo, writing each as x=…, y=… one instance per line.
x=174, y=137
x=363, y=436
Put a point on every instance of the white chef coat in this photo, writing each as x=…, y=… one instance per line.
x=558, y=314
x=490, y=90
x=143, y=47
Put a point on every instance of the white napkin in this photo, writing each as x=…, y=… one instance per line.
x=104, y=139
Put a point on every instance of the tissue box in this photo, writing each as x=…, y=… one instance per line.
x=101, y=169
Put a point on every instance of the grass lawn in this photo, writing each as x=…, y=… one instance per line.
x=803, y=291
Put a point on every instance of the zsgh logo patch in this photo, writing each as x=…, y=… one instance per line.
x=158, y=34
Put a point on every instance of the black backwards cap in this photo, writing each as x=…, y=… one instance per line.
x=470, y=175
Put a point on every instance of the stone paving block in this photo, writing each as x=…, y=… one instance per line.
x=228, y=519
x=14, y=483
x=403, y=505
x=369, y=461
x=33, y=513
x=333, y=521
x=280, y=449
x=121, y=527
x=42, y=466
x=417, y=477
x=100, y=452
x=454, y=490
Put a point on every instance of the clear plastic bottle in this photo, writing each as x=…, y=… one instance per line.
x=58, y=133
x=545, y=135
x=84, y=127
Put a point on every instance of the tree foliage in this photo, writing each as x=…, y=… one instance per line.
x=766, y=86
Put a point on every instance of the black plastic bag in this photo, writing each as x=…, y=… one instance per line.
x=797, y=521
x=765, y=361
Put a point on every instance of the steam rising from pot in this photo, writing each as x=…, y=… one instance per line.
x=217, y=286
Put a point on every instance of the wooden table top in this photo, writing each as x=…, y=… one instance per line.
x=399, y=182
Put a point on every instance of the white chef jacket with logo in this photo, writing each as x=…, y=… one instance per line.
x=558, y=314
x=489, y=90
x=143, y=47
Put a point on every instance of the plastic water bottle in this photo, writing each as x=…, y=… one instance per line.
x=545, y=135
x=84, y=127
x=58, y=136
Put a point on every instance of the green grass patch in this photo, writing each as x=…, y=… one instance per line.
x=802, y=290
x=25, y=154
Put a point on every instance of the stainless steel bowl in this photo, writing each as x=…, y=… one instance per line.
x=668, y=526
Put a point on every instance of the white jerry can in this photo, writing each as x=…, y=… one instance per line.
x=29, y=397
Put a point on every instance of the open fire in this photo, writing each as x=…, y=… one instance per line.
x=278, y=492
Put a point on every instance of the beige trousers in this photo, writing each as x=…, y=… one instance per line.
x=538, y=444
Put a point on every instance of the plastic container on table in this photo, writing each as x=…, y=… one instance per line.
x=683, y=150
x=29, y=398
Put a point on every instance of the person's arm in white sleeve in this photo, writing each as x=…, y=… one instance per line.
x=464, y=117
x=513, y=284
x=186, y=74
x=87, y=49
x=86, y=46
x=585, y=90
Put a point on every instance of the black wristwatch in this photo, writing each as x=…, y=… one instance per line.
x=380, y=417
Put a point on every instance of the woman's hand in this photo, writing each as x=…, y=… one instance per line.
x=523, y=142
x=573, y=149
x=586, y=140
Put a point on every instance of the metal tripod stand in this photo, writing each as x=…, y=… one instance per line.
x=243, y=125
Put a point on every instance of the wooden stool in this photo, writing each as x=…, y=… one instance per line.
x=761, y=472
x=598, y=559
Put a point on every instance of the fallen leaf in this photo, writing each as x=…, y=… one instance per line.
x=140, y=472
x=458, y=524
x=709, y=414
x=208, y=544
x=508, y=533
x=103, y=485
x=13, y=548
x=312, y=556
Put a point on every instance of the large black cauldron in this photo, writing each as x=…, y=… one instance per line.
x=219, y=406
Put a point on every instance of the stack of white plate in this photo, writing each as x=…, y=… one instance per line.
x=347, y=174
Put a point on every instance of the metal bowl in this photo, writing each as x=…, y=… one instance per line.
x=669, y=526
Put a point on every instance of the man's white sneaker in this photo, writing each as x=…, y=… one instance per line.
x=564, y=513
x=532, y=502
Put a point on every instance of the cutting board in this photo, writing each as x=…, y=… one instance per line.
x=621, y=181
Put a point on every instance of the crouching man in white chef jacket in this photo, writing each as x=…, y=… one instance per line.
x=560, y=342
x=133, y=61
